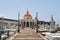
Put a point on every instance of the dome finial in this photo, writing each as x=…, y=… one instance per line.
x=27, y=11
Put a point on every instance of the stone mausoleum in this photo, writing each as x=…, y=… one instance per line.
x=27, y=20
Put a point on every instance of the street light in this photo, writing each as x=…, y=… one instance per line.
x=18, y=23
x=37, y=22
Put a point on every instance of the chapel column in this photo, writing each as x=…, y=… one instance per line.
x=25, y=24
x=29, y=24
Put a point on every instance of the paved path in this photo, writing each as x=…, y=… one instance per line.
x=27, y=34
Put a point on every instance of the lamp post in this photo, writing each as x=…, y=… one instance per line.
x=37, y=22
x=1, y=27
x=18, y=23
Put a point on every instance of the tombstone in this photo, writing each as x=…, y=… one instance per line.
x=43, y=26
x=52, y=25
x=8, y=34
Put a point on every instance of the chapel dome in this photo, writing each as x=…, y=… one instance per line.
x=27, y=15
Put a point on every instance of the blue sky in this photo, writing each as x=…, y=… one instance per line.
x=45, y=8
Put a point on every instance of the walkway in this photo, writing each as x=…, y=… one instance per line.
x=28, y=34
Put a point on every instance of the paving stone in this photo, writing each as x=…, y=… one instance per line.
x=27, y=34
